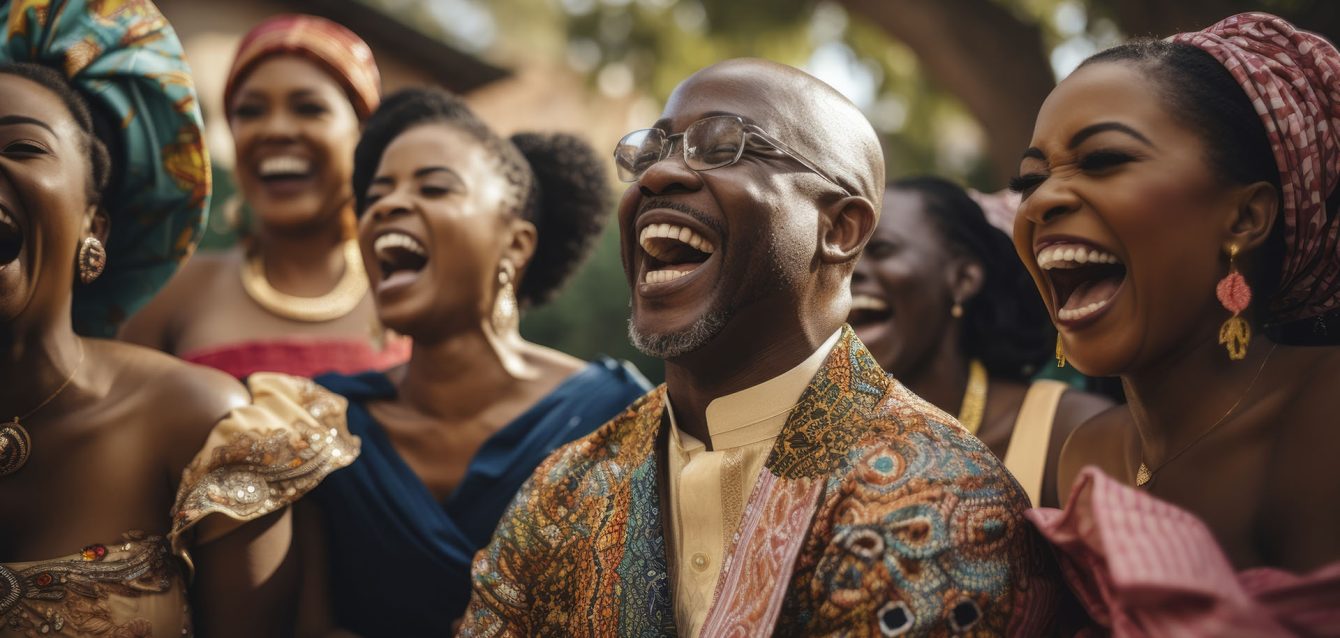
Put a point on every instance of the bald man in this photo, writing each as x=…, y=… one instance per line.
x=779, y=482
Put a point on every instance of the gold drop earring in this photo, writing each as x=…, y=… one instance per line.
x=1235, y=294
x=505, y=306
x=1060, y=352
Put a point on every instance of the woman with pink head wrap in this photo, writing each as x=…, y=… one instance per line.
x=1179, y=217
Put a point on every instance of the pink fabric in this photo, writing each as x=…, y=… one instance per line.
x=303, y=358
x=1144, y=567
x=1293, y=80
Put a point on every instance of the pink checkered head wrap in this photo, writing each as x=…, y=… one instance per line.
x=1293, y=80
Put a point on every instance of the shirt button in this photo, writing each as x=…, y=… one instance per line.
x=700, y=561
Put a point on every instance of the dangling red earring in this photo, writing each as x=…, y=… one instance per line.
x=1235, y=295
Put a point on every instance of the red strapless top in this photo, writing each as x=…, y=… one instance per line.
x=302, y=357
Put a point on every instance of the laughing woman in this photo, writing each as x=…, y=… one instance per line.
x=944, y=305
x=103, y=188
x=461, y=230
x=295, y=298
x=1180, y=220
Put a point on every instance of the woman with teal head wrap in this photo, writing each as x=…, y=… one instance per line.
x=117, y=459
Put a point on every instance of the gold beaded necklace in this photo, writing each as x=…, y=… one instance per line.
x=974, y=398
x=15, y=444
x=340, y=301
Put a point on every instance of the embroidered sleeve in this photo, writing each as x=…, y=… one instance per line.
x=262, y=458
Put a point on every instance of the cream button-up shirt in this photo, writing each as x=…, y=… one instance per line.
x=709, y=489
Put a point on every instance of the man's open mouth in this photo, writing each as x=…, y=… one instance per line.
x=672, y=251
x=1084, y=279
x=11, y=237
x=868, y=309
x=400, y=256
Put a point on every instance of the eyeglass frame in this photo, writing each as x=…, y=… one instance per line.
x=668, y=149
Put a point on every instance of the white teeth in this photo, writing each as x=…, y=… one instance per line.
x=398, y=240
x=673, y=232
x=1068, y=314
x=1073, y=256
x=662, y=276
x=283, y=165
x=866, y=302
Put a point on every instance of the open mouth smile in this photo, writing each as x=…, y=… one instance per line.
x=401, y=257
x=1084, y=279
x=672, y=251
x=11, y=237
x=868, y=309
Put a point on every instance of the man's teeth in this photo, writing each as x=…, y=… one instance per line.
x=283, y=165
x=662, y=276
x=866, y=302
x=398, y=240
x=1073, y=256
x=1067, y=314
x=674, y=232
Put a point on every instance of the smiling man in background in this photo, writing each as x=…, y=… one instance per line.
x=779, y=482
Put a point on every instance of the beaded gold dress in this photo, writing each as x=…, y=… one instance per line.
x=257, y=460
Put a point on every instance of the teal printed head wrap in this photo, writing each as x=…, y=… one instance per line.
x=126, y=61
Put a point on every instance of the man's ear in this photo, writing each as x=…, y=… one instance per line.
x=1253, y=216
x=99, y=223
x=844, y=228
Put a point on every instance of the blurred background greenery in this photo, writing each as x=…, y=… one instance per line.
x=952, y=86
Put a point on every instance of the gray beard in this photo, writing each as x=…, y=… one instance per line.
x=674, y=344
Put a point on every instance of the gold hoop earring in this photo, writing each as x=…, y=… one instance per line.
x=91, y=260
x=505, y=306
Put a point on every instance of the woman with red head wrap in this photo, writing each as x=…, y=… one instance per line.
x=294, y=298
x=1179, y=217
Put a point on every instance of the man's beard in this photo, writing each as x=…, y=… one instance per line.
x=673, y=344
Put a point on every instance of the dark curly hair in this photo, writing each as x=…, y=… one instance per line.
x=1005, y=325
x=558, y=182
x=91, y=141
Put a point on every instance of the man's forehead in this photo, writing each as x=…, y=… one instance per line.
x=713, y=92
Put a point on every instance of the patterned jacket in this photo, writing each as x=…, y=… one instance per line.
x=875, y=514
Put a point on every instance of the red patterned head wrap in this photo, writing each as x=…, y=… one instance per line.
x=337, y=50
x=1293, y=79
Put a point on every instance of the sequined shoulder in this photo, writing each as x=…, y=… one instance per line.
x=262, y=458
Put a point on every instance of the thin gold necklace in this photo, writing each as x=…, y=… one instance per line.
x=974, y=398
x=340, y=301
x=1144, y=474
x=15, y=444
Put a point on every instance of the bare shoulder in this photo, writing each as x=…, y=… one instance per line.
x=156, y=323
x=1077, y=408
x=176, y=403
x=1102, y=440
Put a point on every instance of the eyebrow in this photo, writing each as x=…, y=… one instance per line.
x=16, y=120
x=1089, y=131
x=422, y=172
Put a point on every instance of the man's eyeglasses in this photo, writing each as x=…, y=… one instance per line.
x=712, y=142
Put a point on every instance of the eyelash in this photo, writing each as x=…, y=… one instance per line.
x=1095, y=161
x=25, y=147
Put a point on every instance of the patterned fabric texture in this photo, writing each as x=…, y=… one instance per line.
x=262, y=458
x=1144, y=567
x=259, y=459
x=125, y=59
x=337, y=50
x=876, y=514
x=1293, y=80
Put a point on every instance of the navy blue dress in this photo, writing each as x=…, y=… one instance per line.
x=400, y=559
